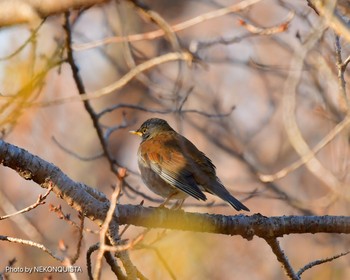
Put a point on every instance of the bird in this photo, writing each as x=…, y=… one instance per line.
x=172, y=166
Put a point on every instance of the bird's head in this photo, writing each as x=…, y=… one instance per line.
x=152, y=127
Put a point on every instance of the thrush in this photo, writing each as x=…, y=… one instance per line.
x=172, y=166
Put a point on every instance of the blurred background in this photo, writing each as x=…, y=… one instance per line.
x=231, y=103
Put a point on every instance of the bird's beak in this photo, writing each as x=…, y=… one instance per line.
x=136, y=132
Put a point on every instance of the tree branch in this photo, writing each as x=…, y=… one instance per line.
x=94, y=205
x=246, y=226
x=282, y=258
x=32, y=11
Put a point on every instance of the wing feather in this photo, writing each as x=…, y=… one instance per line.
x=171, y=165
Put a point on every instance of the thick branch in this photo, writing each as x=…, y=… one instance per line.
x=247, y=226
x=94, y=205
x=32, y=11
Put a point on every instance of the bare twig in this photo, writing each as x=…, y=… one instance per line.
x=40, y=201
x=82, y=92
x=32, y=36
x=341, y=70
x=346, y=62
x=80, y=239
x=74, y=154
x=129, y=55
x=105, y=225
x=175, y=56
x=114, y=266
x=318, y=262
x=271, y=30
x=24, y=223
x=161, y=258
x=164, y=112
x=62, y=216
x=172, y=38
x=109, y=259
x=178, y=27
x=89, y=252
x=124, y=247
x=161, y=22
x=32, y=244
x=309, y=155
x=282, y=258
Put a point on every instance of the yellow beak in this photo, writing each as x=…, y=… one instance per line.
x=136, y=132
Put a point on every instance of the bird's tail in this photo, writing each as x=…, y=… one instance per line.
x=235, y=203
x=221, y=192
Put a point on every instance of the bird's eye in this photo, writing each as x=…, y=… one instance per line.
x=143, y=130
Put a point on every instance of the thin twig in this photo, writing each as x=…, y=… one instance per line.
x=161, y=22
x=177, y=27
x=124, y=247
x=269, y=30
x=31, y=244
x=80, y=239
x=161, y=258
x=282, y=258
x=346, y=62
x=32, y=36
x=164, y=112
x=129, y=54
x=89, y=252
x=309, y=155
x=341, y=70
x=114, y=266
x=82, y=92
x=175, y=56
x=109, y=259
x=105, y=225
x=74, y=154
x=62, y=216
x=172, y=38
x=39, y=201
x=318, y=262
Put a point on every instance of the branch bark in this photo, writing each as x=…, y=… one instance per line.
x=92, y=203
x=246, y=226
